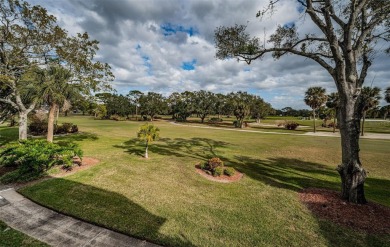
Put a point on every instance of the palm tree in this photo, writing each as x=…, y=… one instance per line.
x=332, y=102
x=56, y=90
x=369, y=99
x=315, y=97
x=148, y=133
x=387, y=95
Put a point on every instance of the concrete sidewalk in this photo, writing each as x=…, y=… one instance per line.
x=56, y=229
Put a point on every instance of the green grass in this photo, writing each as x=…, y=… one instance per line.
x=164, y=200
x=10, y=237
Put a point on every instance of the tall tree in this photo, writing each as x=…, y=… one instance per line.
x=152, y=104
x=315, y=97
x=368, y=99
x=260, y=109
x=342, y=45
x=220, y=102
x=332, y=103
x=240, y=103
x=385, y=110
x=182, y=105
x=26, y=35
x=55, y=90
x=148, y=133
x=134, y=96
x=31, y=39
x=204, y=102
x=387, y=95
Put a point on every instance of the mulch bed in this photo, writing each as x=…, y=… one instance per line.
x=4, y=170
x=222, y=179
x=86, y=163
x=327, y=204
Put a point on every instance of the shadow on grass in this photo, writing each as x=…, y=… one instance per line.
x=101, y=207
x=293, y=174
x=337, y=235
x=81, y=136
x=8, y=134
x=198, y=148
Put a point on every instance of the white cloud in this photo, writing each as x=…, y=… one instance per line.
x=123, y=25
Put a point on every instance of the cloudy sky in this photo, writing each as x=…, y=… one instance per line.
x=167, y=46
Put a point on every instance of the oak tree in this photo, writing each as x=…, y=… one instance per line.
x=343, y=45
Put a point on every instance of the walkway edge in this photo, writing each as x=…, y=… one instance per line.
x=34, y=219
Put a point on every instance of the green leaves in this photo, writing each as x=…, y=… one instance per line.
x=33, y=157
x=148, y=133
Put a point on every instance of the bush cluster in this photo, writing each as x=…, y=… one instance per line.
x=330, y=125
x=32, y=158
x=215, y=167
x=291, y=125
x=117, y=117
x=40, y=128
x=215, y=120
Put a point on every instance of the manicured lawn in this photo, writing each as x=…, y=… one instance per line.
x=164, y=200
x=10, y=237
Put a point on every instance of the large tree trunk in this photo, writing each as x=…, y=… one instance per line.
x=351, y=171
x=23, y=124
x=50, y=122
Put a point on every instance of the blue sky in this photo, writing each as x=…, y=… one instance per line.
x=167, y=46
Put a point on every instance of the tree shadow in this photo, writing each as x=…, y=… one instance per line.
x=102, y=207
x=292, y=174
x=197, y=148
x=81, y=136
x=8, y=134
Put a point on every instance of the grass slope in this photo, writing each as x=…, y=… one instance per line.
x=164, y=200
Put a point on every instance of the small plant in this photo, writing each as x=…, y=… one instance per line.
x=148, y=133
x=32, y=158
x=229, y=171
x=213, y=166
x=218, y=171
x=214, y=163
x=203, y=166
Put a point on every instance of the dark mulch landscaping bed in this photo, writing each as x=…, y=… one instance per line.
x=327, y=204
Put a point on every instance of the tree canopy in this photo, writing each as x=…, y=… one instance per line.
x=342, y=43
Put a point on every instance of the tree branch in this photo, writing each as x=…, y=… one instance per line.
x=312, y=56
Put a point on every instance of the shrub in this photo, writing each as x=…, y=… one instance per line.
x=229, y=171
x=33, y=158
x=330, y=125
x=40, y=128
x=213, y=166
x=116, y=117
x=218, y=171
x=215, y=120
x=203, y=166
x=214, y=163
x=291, y=125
